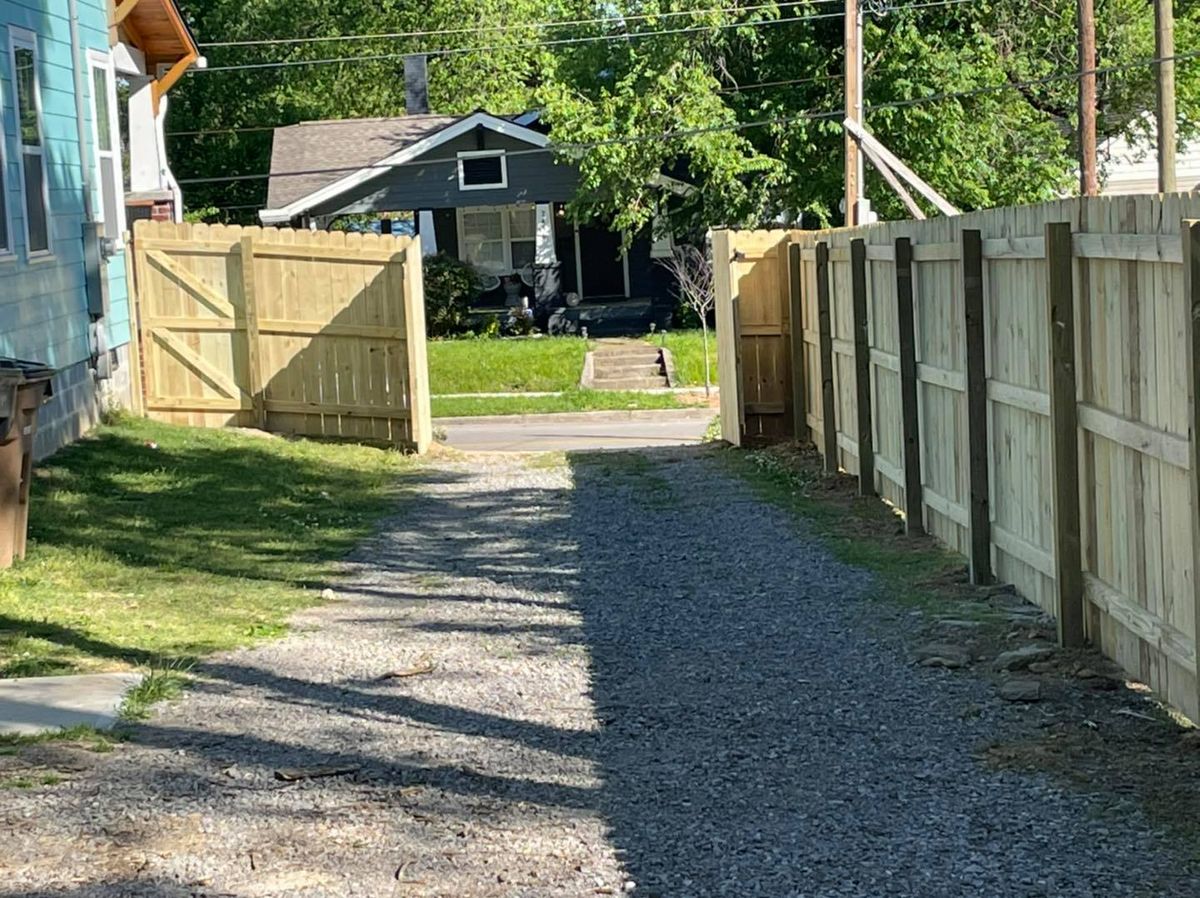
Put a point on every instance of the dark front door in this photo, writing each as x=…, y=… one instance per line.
x=601, y=264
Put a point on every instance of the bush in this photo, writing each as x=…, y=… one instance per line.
x=450, y=285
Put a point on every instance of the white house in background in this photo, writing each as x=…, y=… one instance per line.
x=152, y=48
x=1128, y=168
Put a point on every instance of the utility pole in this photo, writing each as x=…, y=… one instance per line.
x=1089, y=181
x=1164, y=49
x=853, y=67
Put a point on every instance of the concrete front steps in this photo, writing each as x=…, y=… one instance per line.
x=625, y=365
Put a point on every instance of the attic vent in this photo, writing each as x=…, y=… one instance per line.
x=482, y=170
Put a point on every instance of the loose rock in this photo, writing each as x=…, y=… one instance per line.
x=943, y=654
x=1021, y=690
x=1019, y=659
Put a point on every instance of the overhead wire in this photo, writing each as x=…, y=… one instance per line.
x=730, y=89
x=556, y=42
x=738, y=126
x=511, y=26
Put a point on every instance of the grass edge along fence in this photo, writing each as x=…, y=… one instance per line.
x=1021, y=382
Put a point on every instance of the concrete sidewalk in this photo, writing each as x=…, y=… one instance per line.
x=32, y=705
x=577, y=431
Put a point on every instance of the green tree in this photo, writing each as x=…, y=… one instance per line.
x=977, y=97
x=500, y=78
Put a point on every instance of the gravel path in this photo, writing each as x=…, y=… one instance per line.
x=645, y=682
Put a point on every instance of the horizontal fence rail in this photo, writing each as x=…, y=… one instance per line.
x=304, y=332
x=1027, y=390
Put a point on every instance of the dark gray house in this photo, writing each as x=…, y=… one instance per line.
x=485, y=188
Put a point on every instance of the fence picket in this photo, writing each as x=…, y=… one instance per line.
x=235, y=335
x=1019, y=422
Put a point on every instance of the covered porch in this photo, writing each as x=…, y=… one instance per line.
x=532, y=253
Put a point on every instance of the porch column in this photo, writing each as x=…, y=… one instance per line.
x=427, y=232
x=544, y=248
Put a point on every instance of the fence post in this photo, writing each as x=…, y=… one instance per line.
x=977, y=429
x=253, y=364
x=914, y=512
x=799, y=393
x=825, y=345
x=1191, y=285
x=136, y=281
x=420, y=423
x=729, y=375
x=862, y=368
x=1064, y=434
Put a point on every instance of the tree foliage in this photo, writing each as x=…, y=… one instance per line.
x=977, y=97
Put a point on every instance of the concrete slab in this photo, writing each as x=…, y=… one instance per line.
x=32, y=705
x=577, y=431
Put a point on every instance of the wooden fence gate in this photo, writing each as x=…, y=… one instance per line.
x=303, y=332
x=1023, y=383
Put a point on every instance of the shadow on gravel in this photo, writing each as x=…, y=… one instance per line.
x=753, y=740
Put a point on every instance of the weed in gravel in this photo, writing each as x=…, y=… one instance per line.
x=160, y=684
x=87, y=737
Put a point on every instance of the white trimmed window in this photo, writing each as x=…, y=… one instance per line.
x=482, y=170
x=34, y=188
x=106, y=143
x=498, y=239
x=6, y=243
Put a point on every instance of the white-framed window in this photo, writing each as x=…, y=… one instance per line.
x=34, y=189
x=482, y=170
x=498, y=239
x=106, y=143
x=6, y=240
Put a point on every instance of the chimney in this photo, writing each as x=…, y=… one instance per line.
x=416, y=85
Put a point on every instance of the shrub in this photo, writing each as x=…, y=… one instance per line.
x=450, y=285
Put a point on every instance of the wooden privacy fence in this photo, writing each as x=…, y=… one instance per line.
x=304, y=332
x=1021, y=382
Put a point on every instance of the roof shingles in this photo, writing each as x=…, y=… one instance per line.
x=302, y=155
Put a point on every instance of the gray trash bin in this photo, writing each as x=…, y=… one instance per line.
x=24, y=386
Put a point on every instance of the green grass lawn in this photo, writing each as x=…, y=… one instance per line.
x=687, y=348
x=154, y=544
x=545, y=364
x=575, y=400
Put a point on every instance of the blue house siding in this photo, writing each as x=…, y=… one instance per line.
x=43, y=301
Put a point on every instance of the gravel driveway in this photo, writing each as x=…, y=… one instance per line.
x=637, y=679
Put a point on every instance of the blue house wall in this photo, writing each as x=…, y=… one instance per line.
x=43, y=301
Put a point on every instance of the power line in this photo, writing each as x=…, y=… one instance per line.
x=257, y=129
x=809, y=115
x=970, y=92
x=204, y=132
x=477, y=29
x=455, y=51
x=557, y=42
x=739, y=88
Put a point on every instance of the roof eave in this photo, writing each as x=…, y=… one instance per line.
x=430, y=141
